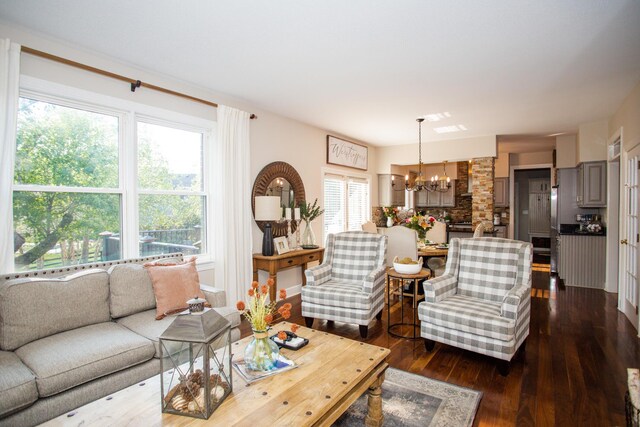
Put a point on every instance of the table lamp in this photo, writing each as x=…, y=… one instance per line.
x=267, y=209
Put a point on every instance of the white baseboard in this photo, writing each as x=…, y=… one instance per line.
x=294, y=290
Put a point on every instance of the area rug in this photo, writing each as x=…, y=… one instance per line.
x=413, y=400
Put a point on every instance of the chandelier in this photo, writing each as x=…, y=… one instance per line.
x=442, y=183
x=420, y=182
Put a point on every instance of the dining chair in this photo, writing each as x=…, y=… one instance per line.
x=370, y=227
x=437, y=233
x=403, y=243
x=479, y=231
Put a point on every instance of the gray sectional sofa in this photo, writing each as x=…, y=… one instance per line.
x=66, y=341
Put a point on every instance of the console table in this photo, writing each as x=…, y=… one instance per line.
x=275, y=263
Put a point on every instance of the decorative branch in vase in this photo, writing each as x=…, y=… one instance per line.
x=308, y=213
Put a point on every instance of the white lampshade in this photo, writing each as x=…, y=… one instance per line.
x=268, y=208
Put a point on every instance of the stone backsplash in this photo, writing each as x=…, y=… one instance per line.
x=482, y=204
x=504, y=220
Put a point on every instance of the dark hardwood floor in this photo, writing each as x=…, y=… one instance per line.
x=573, y=372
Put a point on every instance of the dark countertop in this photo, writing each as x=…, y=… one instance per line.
x=577, y=233
x=574, y=230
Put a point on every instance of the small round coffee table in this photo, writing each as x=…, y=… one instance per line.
x=398, y=289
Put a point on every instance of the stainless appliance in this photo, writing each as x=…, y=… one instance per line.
x=554, y=225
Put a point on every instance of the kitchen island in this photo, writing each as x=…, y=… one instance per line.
x=582, y=259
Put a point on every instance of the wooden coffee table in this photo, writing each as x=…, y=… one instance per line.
x=333, y=372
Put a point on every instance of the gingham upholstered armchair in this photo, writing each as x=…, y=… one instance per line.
x=349, y=285
x=482, y=301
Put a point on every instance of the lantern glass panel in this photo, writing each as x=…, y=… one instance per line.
x=195, y=376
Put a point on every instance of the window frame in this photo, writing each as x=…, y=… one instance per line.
x=128, y=114
x=345, y=175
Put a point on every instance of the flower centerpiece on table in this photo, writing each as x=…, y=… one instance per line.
x=420, y=223
x=308, y=213
x=262, y=353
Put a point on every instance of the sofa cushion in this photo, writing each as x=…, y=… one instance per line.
x=338, y=294
x=71, y=358
x=34, y=308
x=145, y=323
x=17, y=384
x=130, y=288
x=488, y=267
x=174, y=285
x=468, y=314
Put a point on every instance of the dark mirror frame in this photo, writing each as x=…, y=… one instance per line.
x=269, y=173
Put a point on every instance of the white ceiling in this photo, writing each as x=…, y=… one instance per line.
x=368, y=68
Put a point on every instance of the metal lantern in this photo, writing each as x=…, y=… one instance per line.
x=195, y=362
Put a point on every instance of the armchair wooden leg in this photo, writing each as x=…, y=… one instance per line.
x=308, y=321
x=504, y=366
x=364, y=331
x=379, y=315
x=429, y=344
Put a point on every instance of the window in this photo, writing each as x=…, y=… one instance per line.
x=346, y=203
x=66, y=184
x=88, y=187
x=171, y=201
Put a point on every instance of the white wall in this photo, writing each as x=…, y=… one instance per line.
x=566, y=146
x=428, y=170
x=538, y=158
x=276, y=138
x=436, y=151
x=628, y=118
x=273, y=137
x=501, y=166
x=593, y=138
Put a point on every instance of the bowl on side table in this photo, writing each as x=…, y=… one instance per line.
x=407, y=268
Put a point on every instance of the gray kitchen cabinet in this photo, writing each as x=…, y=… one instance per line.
x=448, y=199
x=390, y=191
x=501, y=231
x=433, y=199
x=539, y=186
x=501, y=192
x=421, y=197
x=437, y=199
x=592, y=185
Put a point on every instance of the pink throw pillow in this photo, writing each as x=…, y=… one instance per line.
x=174, y=285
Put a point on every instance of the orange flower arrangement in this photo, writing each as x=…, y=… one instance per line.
x=262, y=314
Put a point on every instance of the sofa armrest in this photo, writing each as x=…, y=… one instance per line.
x=373, y=279
x=216, y=297
x=318, y=275
x=439, y=288
x=514, y=301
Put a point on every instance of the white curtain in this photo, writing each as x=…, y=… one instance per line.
x=9, y=76
x=232, y=230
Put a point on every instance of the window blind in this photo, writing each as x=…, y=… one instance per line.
x=346, y=203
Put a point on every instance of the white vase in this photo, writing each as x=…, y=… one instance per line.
x=308, y=236
x=389, y=222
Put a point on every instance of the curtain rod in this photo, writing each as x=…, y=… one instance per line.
x=133, y=82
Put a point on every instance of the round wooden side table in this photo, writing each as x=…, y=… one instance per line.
x=396, y=282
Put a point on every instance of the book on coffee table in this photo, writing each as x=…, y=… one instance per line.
x=283, y=364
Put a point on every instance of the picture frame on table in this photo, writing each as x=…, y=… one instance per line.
x=346, y=153
x=282, y=245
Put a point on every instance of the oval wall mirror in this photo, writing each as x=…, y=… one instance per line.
x=282, y=180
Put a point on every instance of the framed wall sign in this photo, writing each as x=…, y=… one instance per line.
x=347, y=153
